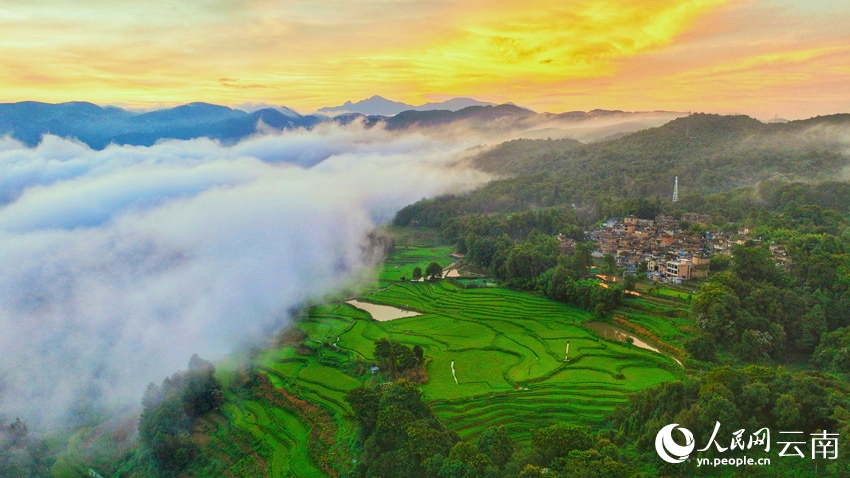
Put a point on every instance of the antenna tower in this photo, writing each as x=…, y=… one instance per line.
x=676, y=189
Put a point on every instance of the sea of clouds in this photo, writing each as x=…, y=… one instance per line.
x=117, y=265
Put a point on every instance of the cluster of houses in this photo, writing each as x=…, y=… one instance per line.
x=671, y=251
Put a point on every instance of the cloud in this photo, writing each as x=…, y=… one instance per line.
x=119, y=264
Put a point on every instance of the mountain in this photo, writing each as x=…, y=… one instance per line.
x=379, y=106
x=99, y=126
x=453, y=104
x=709, y=153
x=479, y=116
x=289, y=112
x=192, y=113
x=27, y=121
x=508, y=121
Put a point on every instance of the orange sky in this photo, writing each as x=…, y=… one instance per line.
x=760, y=57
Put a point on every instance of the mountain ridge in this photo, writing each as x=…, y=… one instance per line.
x=98, y=126
x=379, y=106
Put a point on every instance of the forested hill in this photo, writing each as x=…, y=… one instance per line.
x=709, y=153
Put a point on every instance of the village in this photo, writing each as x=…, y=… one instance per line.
x=671, y=250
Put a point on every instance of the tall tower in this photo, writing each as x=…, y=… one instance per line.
x=676, y=189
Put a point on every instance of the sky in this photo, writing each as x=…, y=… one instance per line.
x=764, y=58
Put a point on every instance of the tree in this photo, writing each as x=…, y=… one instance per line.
x=434, y=270
x=558, y=440
x=394, y=357
x=464, y=461
x=170, y=409
x=401, y=436
x=717, y=309
x=833, y=352
x=419, y=353
x=630, y=282
x=787, y=412
x=610, y=263
x=719, y=263
x=812, y=328
x=531, y=471
x=202, y=391
x=417, y=273
x=18, y=430
x=701, y=347
x=364, y=403
x=497, y=445
x=754, y=263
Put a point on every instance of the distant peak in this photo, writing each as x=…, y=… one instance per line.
x=201, y=104
x=377, y=105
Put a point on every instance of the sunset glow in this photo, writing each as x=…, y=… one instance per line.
x=763, y=58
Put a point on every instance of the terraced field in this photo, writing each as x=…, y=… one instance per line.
x=664, y=318
x=414, y=248
x=507, y=348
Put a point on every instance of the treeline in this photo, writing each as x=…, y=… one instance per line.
x=503, y=196
x=751, y=399
x=759, y=310
x=401, y=436
x=170, y=410
x=522, y=251
x=22, y=455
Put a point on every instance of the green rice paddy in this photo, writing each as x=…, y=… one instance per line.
x=414, y=248
x=507, y=347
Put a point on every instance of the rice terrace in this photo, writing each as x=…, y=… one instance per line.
x=506, y=347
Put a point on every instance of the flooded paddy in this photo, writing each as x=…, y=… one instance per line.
x=382, y=313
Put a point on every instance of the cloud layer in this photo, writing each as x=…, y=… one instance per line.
x=119, y=264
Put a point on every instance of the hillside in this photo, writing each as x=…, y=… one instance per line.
x=99, y=126
x=709, y=153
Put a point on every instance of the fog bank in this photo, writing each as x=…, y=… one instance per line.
x=119, y=264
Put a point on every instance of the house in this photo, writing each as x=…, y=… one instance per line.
x=679, y=269
x=703, y=220
x=701, y=264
